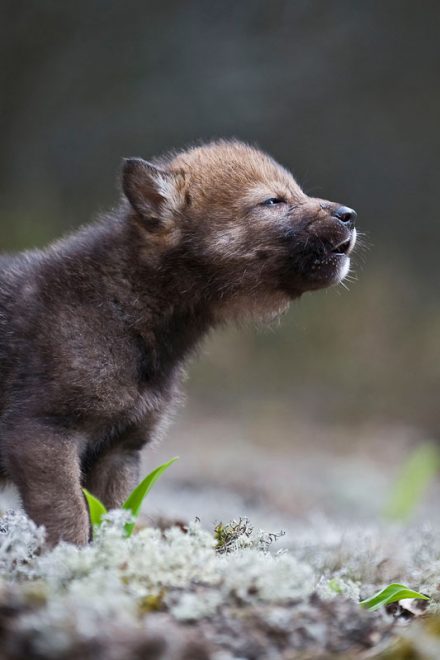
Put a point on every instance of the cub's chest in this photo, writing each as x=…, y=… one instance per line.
x=144, y=406
x=131, y=428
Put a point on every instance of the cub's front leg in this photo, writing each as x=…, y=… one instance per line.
x=113, y=476
x=42, y=459
x=114, y=472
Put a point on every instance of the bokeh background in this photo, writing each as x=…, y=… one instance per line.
x=319, y=411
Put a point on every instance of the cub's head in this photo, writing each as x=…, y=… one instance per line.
x=238, y=223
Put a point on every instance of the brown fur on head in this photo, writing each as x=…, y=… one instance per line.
x=241, y=222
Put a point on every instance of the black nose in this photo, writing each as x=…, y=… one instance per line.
x=345, y=215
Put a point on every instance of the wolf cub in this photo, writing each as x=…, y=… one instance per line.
x=95, y=329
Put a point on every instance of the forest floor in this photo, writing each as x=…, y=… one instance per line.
x=170, y=591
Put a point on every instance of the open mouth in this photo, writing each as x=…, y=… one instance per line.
x=345, y=246
x=342, y=248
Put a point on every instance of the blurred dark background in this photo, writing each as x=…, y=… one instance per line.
x=344, y=93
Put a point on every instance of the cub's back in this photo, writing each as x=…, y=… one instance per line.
x=6, y=297
x=11, y=272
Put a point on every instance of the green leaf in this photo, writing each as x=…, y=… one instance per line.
x=134, y=501
x=96, y=508
x=390, y=594
x=413, y=480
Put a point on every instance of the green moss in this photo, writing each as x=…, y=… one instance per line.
x=151, y=603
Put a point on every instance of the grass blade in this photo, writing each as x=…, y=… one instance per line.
x=134, y=501
x=96, y=508
x=390, y=594
x=415, y=476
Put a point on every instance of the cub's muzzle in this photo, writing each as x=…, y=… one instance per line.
x=346, y=215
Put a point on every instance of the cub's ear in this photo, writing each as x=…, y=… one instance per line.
x=152, y=192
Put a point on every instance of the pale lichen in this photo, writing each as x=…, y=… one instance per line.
x=20, y=542
x=239, y=534
x=70, y=595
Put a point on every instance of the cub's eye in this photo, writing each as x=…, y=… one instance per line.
x=273, y=200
